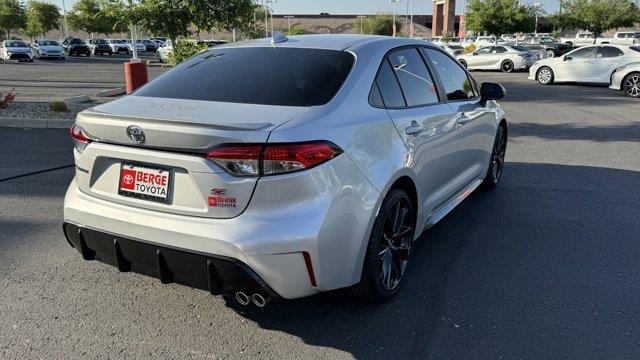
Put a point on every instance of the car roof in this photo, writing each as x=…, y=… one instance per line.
x=327, y=42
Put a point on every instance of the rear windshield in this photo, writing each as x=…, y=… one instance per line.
x=267, y=76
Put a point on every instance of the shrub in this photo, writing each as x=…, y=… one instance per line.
x=6, y=98
x=470, y=48
x=380, y=24
x=295, y=30
x=183, y=50
x=58, y=106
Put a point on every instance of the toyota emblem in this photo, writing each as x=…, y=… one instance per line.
x=136, y=134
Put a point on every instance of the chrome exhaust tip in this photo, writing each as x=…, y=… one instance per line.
x=242, y=298
x=259, y=300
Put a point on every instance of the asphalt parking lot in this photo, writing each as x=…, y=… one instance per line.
x=544, y=267
x=51, y=79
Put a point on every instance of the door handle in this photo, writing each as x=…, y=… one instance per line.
x=414, y=128
x=463, y=119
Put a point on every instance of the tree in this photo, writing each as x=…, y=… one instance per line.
x=12, y=16
x=598, y=16
x=41, y=18
x=498, y=17
x=222, y=14
x=91, y=16
x=170, y=18
x=380, y=24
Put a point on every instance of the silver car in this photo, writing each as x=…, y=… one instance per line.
x=268, y=170
x=627, y=79
x=506, y=58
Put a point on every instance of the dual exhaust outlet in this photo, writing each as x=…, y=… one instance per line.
x=257, y=299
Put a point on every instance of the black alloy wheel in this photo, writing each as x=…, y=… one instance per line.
x=496, y=164
x=507, y=66
x=389, y=248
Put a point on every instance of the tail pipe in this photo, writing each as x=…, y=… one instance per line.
x=242, y=298
x=259, y=300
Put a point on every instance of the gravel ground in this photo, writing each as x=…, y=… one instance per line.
x=40, y=110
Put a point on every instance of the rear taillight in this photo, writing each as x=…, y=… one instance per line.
x=79, y=137
x=272, y=159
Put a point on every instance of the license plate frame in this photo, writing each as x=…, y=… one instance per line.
x=142, y=196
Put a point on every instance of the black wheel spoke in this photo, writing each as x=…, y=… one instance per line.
x=394, y=249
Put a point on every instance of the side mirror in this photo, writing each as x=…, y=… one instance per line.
x=567, y=58
x=474, y=53
x=492, y=91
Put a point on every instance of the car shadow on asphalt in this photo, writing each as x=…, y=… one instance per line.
x=518, y=272
x=571, y=131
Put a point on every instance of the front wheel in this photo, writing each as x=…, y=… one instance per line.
x=389, y=248
x=631, y=85
x=496, y=163
x=507, y=66
x=463, y=63
x=545, y=75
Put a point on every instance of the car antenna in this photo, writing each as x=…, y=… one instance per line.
x=277, y=38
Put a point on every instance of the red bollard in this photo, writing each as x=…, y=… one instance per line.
x=135, y=75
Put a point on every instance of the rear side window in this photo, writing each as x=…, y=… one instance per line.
x=498, y=50
x=261, y=75
x=583, y=53
x=454, y=79
x=609, y=52
x=389, y=87
x=416, y=82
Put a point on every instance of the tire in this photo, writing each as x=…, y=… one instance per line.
x=631, y=85
x=396, y=220
x=496, y=162
x=463, y=63
x=545, y=75
x=550, y=53
x=507, y=66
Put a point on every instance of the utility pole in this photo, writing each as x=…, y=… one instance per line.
x=271, y=2
x=64, y=17
x=361, y=17
x=394, y=16
x=411, y=20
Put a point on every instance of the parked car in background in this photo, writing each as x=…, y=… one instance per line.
x=626, y=38
x=506, y=58
x=48, y=49
x=627, y=79
x=99, y=47
x=257, y=191
x=587, y=64
x=76, y=47
x=468, y=40
x=453, y=49
x=119, y=46
x=148, y=44
x=584, y=39
x=549, y=46
x=483, y=41
x=16, y=50
x=140, y=47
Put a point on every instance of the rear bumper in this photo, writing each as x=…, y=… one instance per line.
x=216, y=274
x=324, y=214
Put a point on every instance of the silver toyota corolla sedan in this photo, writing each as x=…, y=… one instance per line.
x=279, y=169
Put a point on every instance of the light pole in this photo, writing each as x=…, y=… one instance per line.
x=394, y=16
x=271, y=8
x=536, y=7
x=64, y=17
x=361, y=17
x=411, y=20
x=289, y=17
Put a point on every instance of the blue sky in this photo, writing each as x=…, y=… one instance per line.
x=355, y=6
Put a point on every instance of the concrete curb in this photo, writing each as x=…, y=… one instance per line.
x=35, y=123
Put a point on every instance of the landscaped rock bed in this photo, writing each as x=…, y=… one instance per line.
x=40, y=110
